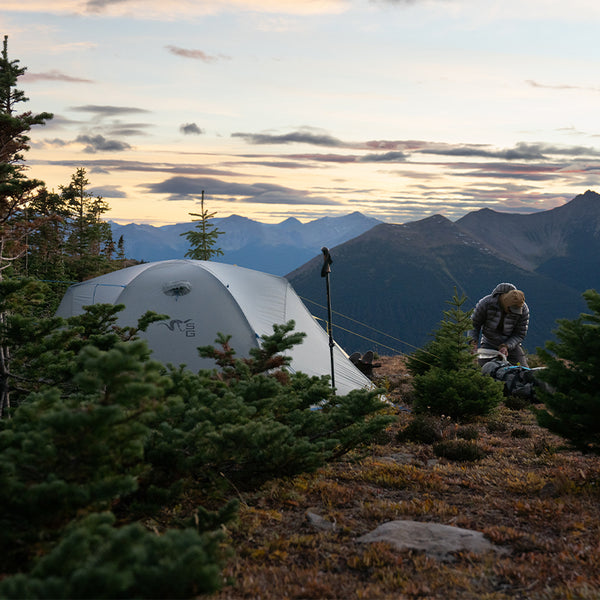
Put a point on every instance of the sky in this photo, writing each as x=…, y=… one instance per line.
x=398, y=109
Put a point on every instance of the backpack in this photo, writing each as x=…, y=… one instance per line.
x=518, y=381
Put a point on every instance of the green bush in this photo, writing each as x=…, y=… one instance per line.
x=94, y=559
x=109, y=429
x=572, y=402
x=496, y=426
x=463, y=394
x=459, y=450
x=446, y=379
x=467, y=432
x=64, y=454
x=243, y=425
x=423, y=429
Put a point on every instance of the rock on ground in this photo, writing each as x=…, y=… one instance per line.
x=437, y=541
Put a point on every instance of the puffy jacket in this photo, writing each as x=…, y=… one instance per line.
x=488, y=315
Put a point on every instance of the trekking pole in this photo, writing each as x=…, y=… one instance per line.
x=325, y=273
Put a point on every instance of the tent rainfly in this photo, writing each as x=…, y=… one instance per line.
x=204, y=298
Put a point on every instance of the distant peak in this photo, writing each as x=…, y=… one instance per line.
x=233, y=218
x=434, y=219
x=588, y=195
x=291, y=221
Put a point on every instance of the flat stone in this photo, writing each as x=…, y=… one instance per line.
x=319, y=522
x=437, y=541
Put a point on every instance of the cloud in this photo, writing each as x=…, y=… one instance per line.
x=108, y=191
x=56, y=142
x=393, y=1
x=129, y=129
x=108, y=111
x=295, y=137
x=54, y=75
x=563, y=86
x=190, y=128
x=177, y=8
x=59, y=122
x=191, y=188
x=384, y=157
x=159, y=9
x=195, y=54
x=330, y=158
x=508, y=171
x=108, y=165
x=97, y=143
x=520, y=152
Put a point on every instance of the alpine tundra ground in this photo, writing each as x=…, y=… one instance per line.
x=528, y=493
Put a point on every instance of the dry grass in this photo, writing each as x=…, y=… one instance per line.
x=529, y=493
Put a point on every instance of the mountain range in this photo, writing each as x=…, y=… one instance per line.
x=390, y=285
x=272, y=248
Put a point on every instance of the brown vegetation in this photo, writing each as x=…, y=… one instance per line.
x=529, y=494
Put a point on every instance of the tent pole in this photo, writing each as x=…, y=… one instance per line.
x=325, y=273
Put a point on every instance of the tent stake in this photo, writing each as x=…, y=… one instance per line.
x=325, y=273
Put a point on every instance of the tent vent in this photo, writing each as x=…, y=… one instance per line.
x=177, y=288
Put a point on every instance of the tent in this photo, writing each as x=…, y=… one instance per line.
x=204, y=298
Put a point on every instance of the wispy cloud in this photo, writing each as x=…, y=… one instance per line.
x=54, y=75
x=128, y=129
x=401, y=150
x=562, y=86
x=294, y=137
x=108, y=111
x=101, y=5
x=195, y=54
x=108, y=191
x=190, y=188
x=384, y=157
x=108, y=165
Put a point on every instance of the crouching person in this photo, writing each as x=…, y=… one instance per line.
x=500, y=322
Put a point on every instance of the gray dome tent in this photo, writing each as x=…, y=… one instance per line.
x=203, y=298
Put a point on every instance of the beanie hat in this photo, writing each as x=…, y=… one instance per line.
x=513, y=301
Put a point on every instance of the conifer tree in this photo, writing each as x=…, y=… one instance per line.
x=204, y=236
x=447, y=380
x=572, y=403
x=15, y=187
x=45, y=256
x=96, y=560
x=89, y=243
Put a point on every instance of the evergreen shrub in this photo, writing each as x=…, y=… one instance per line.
x=422, y=429
x=252, y=420
x=572, y=403
x=459, y=450
x=103, y=427
x=94, y=559
x=446, y=379
x=467, y=432
x=463, y=394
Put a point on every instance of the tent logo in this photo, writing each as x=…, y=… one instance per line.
x=188, y=327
